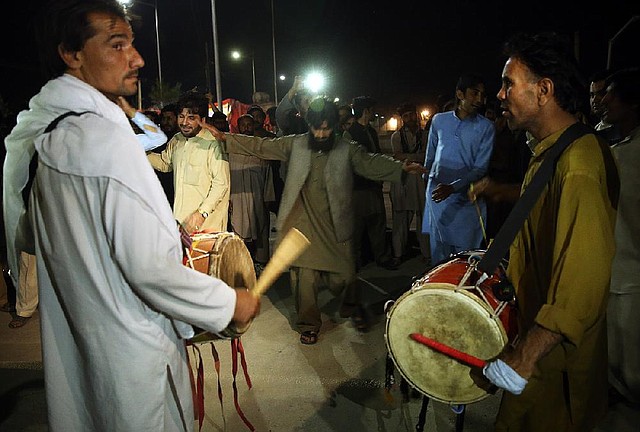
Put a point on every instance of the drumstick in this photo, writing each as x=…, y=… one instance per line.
x=290, y=248
x=465, y=358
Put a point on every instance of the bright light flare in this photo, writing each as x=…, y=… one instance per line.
x=393, y=123
x=314, y=82
x=235, y=55
x=282, y=77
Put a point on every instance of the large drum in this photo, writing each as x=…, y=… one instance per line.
x=225, y=256
x=452, y=305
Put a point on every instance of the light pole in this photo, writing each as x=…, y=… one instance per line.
x=273, y=44
x=236, y=55
x=216, y=54
x=127, y=3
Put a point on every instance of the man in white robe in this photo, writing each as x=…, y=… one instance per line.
x=116, y=302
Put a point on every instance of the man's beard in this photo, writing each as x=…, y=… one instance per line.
x=324, y=146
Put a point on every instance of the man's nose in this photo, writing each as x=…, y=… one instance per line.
x=137, y=61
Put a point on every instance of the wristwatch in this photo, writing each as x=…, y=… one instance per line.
x=203, y=213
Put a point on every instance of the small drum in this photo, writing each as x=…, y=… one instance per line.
x=448, y=305
x=225, y=256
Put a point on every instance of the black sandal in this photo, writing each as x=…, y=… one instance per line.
x=308, y=337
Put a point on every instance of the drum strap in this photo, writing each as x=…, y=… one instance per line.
x=507, y=233
x=33, y=164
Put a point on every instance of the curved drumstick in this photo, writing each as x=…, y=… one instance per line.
x=290, y=248
x=465, y=358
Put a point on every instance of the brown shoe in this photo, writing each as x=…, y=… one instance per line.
x=18, y=321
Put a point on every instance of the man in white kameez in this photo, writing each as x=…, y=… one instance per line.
x=116, y=303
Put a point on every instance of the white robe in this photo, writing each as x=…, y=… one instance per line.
x=114, y=296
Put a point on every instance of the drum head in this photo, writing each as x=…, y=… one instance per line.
x=458, y=319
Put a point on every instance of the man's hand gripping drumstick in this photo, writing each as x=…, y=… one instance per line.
x=248, y=301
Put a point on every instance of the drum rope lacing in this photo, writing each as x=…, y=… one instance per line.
x=473, y=261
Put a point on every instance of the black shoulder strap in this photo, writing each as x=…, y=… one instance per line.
x=33, y=165
x=499, y=247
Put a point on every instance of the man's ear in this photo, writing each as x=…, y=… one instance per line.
x=73, y=59
x=546, y=90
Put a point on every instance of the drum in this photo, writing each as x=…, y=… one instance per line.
x=225, y=256
x=452, y=305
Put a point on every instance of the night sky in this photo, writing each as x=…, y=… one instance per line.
x=393, y=51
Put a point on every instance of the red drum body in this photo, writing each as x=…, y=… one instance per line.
x=452, y=305
x=224, y=256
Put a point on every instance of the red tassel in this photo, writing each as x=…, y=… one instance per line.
x=234, y=350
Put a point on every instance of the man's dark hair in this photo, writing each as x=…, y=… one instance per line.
x=258, y=114
x=196, y=103
x=550, y=55
x=254, y=108
x=65, y=23
x=172, y=107
x=469, y=80
x=360, y=103
x=322, y=108
x=625, y=85
x=218, y=115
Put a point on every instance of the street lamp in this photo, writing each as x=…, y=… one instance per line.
x=126, y=4
x=236, y=55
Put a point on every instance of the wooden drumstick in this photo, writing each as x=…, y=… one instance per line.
x=465, y=358
x=290, y=248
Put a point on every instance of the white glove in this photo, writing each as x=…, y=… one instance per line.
x=502, y=375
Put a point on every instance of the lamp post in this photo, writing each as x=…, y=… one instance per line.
x=127, y=3
x=216, y=54
x=273, y=44
x=236, y=55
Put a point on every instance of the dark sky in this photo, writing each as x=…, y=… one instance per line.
x=393, y=51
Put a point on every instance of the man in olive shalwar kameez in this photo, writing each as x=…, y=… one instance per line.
x=317, y=200
x=560, y=262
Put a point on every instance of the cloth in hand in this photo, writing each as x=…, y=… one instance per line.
x=502, y=375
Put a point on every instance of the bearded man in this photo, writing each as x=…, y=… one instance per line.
x=317, y=200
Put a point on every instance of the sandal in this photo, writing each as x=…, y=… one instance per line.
x=8, y=307
x=308, y=337
x=18, y=321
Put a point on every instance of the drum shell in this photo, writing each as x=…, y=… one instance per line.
x=225, y=256
x=453, y=271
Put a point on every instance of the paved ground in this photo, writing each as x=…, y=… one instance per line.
x=335, y=385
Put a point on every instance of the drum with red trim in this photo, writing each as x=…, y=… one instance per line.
x=225, y=256
x=453, y=305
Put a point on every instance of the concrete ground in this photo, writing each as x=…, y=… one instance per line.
x=336, y=385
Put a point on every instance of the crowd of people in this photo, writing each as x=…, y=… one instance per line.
x=84, y=168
